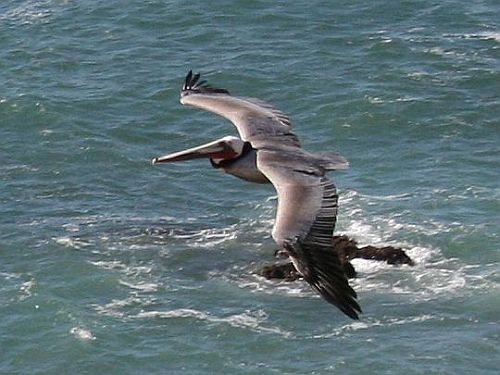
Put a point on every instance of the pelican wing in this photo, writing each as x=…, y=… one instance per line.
x=305, y=219
x=257, y=122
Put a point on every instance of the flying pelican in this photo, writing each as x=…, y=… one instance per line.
x=268, y=151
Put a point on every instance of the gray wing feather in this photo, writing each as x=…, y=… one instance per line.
x=256, y=124
x=305, y=220
x=257, y=121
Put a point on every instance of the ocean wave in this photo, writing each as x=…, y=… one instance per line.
x=378, y=100
x=140, y=286
x=126, y=308
x=248, y=279
x=30, y=12
x=212, y=237
x=433, y=277
x=140, y=232
x=354, y=326
x=252, y=320
x=485, y=35
x=386, y=198
x=19, y=285
x=82, y=333
x=381, y=229
x=27, y=288
x=72, y=242
x=136, y=277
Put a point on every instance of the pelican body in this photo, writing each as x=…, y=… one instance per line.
x=267, y=151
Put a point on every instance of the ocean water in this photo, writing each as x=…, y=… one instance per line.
x=109, y=265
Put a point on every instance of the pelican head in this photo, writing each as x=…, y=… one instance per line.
x=226, y=148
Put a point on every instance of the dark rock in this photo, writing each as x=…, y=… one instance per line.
x=347, y=249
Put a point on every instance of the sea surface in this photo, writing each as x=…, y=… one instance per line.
x=110, y=265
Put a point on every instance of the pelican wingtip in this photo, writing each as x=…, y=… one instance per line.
x=192, y=84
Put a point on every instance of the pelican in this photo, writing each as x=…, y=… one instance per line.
x=268, y=151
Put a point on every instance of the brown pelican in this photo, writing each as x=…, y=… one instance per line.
x=267, y=151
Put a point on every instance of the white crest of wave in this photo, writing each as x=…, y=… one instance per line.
x=30, y=12
x=109, y=264
x=257, y=283
x=121, y=308
x=27, y=288
x=82, y=333
x=141, y=286
x=484, y=35
x=137, y=278
x=432, y=277
x=366, y=324
x=253, y=320
x=14, y=281
x=134, y=270
x=71, y=242
x=212, y=237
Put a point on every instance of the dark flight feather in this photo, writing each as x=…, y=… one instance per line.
x=191, y=85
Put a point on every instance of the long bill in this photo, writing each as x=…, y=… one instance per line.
x=214, y=149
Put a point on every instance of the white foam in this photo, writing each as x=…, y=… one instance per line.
x=389, y=198
x=46, y=132
x=490, y=35
x=253, y=320
x=27, y=288
x=116, y=306
x=377, y=100
x=363, y=232
x=108, y=264
x=10, y=275
x=445, y=53
x=368, y=323
x=30, y=12
x=82, y=333
x=434, y=276
x=212, y=237
x=378, y=230
x=259, y=284
x=485, y=35
x=132, y=271
x=72, y=242
x=141, y=286
x=179, y=313
x=70, y=227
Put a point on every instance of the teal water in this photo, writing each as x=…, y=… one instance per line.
x=109, y=265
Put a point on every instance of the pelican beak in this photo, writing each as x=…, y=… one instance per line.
x=214, y=149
